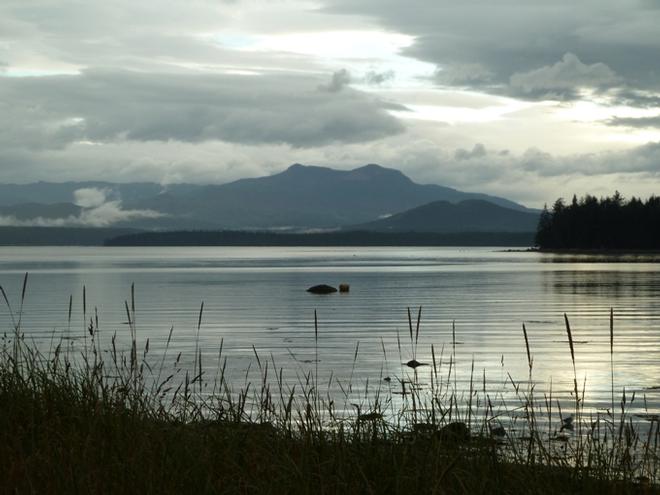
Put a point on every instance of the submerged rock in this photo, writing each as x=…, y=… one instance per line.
x=322, y=289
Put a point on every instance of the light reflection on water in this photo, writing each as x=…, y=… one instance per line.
x=256, y=297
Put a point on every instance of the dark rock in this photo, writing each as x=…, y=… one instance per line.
x=413, y=363
x=454, y=432
x=372, y=416
x=322, y=289
x=344, y=287
x=567, y=424
x=498, y=431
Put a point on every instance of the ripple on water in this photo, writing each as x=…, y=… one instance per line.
x=256, y=297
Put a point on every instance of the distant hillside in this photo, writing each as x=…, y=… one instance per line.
x=27, y=211
x=298, y=199
x=62, y=192
x=309, y=197
x=466, y=216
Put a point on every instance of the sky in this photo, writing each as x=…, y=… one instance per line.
x=524, y=99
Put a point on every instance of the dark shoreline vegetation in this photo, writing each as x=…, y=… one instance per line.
x=101, y=415
x=610, y=223
x=323, y=239
x=58, y=236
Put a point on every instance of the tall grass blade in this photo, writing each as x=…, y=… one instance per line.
x=612, y=355
x=20, y=309
x=419, y=318
x=529, y=356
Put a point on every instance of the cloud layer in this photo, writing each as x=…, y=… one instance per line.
x=97, y=211
x=564, y=79
x=478, y=40
x=481, y=95
x=106, y=106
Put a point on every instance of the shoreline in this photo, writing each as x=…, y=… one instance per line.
x=594, y=252
x=324, y=239
x=601, y=252
x=127, y=421
x=120, y=432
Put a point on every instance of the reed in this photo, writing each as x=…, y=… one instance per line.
x=115, y=420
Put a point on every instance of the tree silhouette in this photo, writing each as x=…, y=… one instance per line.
x=606, y=223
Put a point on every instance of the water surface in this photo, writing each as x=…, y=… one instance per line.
x=255, y=296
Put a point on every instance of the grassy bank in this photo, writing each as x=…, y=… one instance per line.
x=82, y=418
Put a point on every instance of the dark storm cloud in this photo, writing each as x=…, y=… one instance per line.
x=563, y=80
x=638, y=122
x=106, y=106
x=375, y=78
x=464, y=75
x=479, y=41
x=641, y=99
x=643, y=159
x=488, y=167
x=478, y=151
x=338, y=81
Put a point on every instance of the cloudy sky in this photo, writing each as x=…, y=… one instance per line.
x=521, y=98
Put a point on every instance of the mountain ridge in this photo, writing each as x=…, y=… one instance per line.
x=297, y=198
x=310, y=197
x=472, y=215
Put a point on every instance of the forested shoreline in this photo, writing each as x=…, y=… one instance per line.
x=321, y=239
x=612, y=223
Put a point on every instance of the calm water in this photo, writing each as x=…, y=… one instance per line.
x=256, y=297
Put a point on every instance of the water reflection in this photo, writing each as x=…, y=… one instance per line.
x=612, y=257
x=615, y=284
x=256, y=297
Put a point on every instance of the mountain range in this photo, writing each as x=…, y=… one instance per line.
x=299, y=198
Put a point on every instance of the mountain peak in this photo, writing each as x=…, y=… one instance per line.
x=299, y=168
x=302, y=196
x=371, y=169
x=374, y=169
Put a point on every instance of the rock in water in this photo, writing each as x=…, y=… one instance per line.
x=344, y=287
x=413, y=363
x=322, y=289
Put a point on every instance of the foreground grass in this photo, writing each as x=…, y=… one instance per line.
x=73, y=421
x=68, y=438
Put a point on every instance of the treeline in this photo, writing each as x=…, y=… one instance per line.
x=58, y=236
x=606, y=223
x=355, y=238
